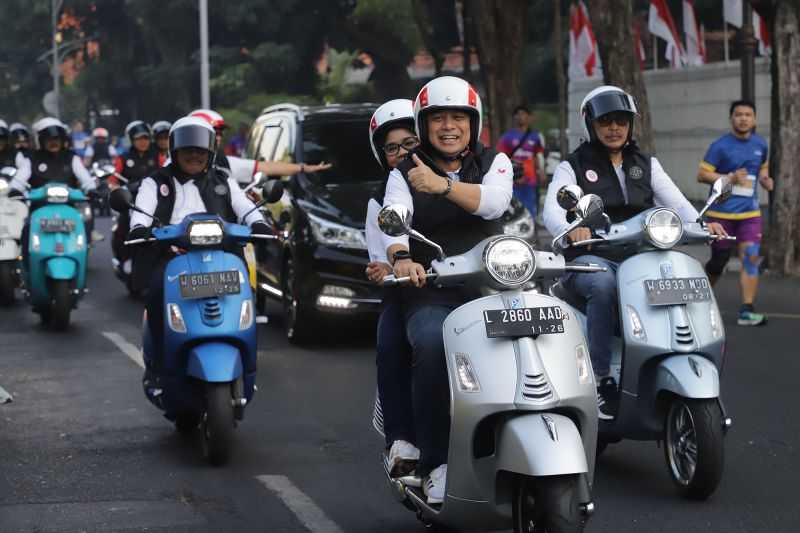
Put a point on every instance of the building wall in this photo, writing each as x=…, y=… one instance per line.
x=689, y=110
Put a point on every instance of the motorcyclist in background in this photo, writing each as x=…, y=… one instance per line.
x=8, y=154
x=21, y=138
x=161, y=136
x=99, y=150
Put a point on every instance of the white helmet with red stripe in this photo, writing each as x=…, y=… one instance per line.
x=210, y=116
x=100, y=132
x=394, y=113
x=448, y=92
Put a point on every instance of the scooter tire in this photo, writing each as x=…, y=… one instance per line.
x=60, y=305
x=7, y=284
x=705, y=418
x=547, y=504
x=186, y=423
x=218, y=423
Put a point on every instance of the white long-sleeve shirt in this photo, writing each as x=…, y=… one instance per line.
x=24, y=173
x=665, y=194
x=187, y=202
x=374, y=235
x=496, y=190
x=242, y=170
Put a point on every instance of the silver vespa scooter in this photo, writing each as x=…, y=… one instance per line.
x=671, y=345
x=523, y=409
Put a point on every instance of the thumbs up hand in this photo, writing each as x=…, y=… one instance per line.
x=423, y=179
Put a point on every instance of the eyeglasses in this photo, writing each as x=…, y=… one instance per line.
x=408, y=144
x=620, y=118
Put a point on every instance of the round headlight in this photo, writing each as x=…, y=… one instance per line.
x=664, y=228
x=509, y=261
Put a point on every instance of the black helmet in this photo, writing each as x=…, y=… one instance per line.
x=136, y=129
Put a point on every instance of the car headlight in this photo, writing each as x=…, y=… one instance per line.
x=332, y=234
x=510, y=261
x=57, y=195
x=205, y=233
x=664, y=228
x=522, y=226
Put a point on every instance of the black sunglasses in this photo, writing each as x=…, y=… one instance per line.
x=620, y=118
x=409, y=143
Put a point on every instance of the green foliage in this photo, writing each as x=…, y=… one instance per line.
x=333, y=86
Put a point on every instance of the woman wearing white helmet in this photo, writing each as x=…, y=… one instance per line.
x=457, y=190
x=161, y=137
x=610, y=164
x=392, y=137
x=20, y=137
x=99, y=150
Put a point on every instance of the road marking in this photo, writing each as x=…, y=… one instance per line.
x=5, y=396
x=311, y=516
x=125, y=347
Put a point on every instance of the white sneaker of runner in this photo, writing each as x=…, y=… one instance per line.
x=403, y=458
x=434, y=484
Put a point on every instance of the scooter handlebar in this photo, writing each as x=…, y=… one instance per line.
x=392, y=281
x=588, y=267
x=139, y=241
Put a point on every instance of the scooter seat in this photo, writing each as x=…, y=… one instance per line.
x=558, y=290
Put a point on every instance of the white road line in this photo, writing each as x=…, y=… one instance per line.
x=311, y=516
x=5, y=396
x=125, y=347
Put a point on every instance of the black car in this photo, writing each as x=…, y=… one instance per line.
x=316, y=268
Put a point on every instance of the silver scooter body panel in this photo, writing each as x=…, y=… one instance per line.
x=531, y=416
x=680, y=353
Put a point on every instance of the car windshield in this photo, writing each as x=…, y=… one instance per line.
x=344, y=144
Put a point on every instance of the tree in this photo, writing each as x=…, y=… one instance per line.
x=612, y=21
x=784, y=235
x=501, y=27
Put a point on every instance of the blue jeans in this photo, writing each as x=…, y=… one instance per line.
x=393, y=361
x=529, y=196
x=600, y=291
x=430, y=384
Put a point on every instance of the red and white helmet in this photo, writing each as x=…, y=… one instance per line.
x=394, y=113
x=448, y=92
x=210, y=116
x=100, y=132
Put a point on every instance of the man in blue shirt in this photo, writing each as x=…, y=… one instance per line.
x=741, y=158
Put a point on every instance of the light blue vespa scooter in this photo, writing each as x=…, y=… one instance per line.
x=55, y=269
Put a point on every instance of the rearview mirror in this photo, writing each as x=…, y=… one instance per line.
x=8, y=172
x=395, y=220
x=568, y=196
x=272, y=190
x=722, y=189
x=120, y=199
x=590, y=209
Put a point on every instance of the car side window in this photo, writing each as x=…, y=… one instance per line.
x=266, y=149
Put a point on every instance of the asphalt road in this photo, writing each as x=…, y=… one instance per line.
x=82, y=450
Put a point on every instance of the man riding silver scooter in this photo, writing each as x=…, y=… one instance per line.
x=523, y=419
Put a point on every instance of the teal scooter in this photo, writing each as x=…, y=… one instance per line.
x=55, y=270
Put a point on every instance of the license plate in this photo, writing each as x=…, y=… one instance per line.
x=525, y=322
x=56, y=225
x=209, y=284
x=676, y=291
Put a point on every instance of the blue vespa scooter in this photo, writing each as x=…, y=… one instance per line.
x=55, y=272
x=207, y=373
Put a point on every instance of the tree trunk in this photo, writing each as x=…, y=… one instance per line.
x=612, y=22
x=561, y=78
x=784, y=238
x=501, y=33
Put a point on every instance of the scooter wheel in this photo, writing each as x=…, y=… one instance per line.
x=694, y=447
x=218, y=423
x=547, y=504
x=7, y=283
x=60, y=305
x=186, y=423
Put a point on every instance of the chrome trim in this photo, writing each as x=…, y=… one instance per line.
x=272, y=290
x=550, y=425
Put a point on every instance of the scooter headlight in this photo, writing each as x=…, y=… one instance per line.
x=664, y=228
x=509, y=260
x=246, y=315
x=205, y=233
x=57, y=195
x=175, y=319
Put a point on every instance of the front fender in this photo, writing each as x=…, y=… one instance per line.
x=544, y=444
x=61, y=268
x=214, y=362
x=689, y=376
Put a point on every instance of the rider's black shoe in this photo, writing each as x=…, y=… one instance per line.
x=607, y=398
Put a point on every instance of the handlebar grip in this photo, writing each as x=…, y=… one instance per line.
x=264, y=237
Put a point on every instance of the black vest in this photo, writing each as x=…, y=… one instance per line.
x=221, y=160
x=447, y=224
x=8, y=157
x=596, y=175
x=47, y=167
x=137, y=166
x=213, y=189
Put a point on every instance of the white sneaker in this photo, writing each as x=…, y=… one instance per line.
x=403, y=458
x=433, y=487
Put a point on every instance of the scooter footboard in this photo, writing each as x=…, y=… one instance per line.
x=545, y=444
x=214, y=362
x=689, y=376
x=61, y=268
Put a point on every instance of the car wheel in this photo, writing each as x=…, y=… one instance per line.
x=298, y=319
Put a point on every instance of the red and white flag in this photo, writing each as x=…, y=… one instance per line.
x=695, y=47
x=584, y=56
x=761, y=31
x=732, y=12
x=662, y=25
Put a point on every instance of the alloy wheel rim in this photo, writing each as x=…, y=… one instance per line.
x=682, y=444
